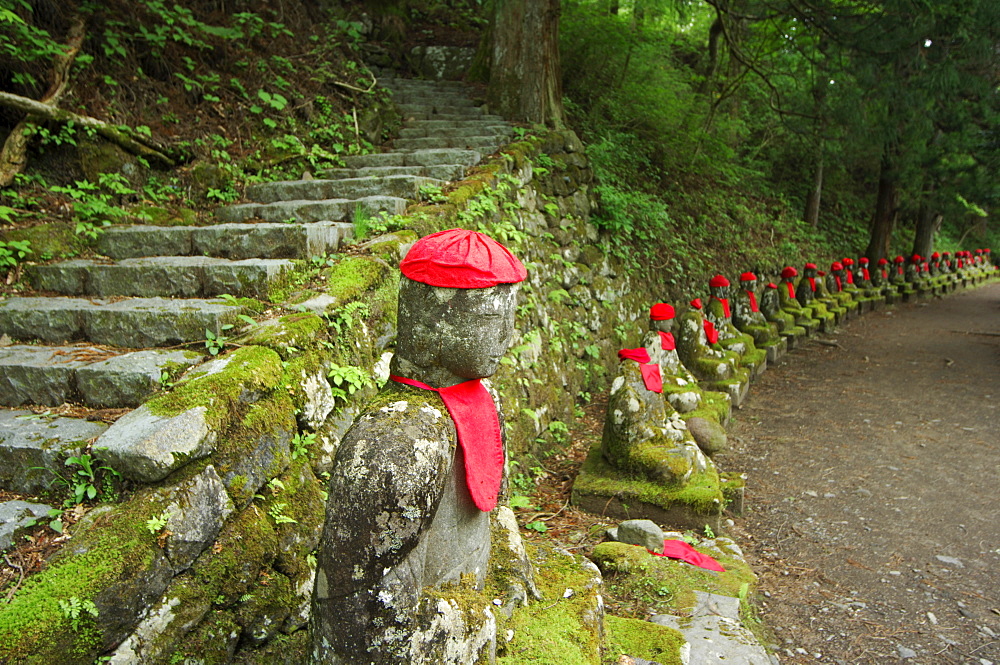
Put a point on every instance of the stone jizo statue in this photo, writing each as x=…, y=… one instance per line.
x=417, y=475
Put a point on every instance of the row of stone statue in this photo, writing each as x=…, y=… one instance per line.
x=670, y=402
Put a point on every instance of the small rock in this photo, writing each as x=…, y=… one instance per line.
x=811, y=493
x=905, y=652
x=950, y=560
x=641, y=532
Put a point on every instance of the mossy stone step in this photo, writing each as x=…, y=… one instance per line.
x=399, y=186
x=180, y=276
x=437, y=171
x=438, y=111
x=483, y=129
x=131, y=323
x=232, y=241
x=33, y=448
x=307, y=211
x=432, y=98
x=54, y=375
x=415, y=158
x=483, y=121
x=481, y=143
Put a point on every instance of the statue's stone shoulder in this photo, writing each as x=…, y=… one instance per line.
x=387, y=479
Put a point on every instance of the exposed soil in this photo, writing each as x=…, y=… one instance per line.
x=873, y=468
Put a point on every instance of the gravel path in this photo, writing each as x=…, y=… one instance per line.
x=873, y=475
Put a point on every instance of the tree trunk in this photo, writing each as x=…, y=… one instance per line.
x=928, y=223
x=525, y=83
x=813, y=199
x=884, y=216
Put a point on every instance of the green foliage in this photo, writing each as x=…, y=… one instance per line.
x=302, y=444
x=347, y=380
x=156, y=523
x=277, y=513
x=215, y=343
x=13, y=252
x=75, y=609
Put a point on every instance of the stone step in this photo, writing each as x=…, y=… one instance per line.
x=421, y=131
x=437, y=171
x=432, y=98
x=418, y=85
x=480, y=143
x=177, y=276
x=446, y=115
x=132, y=323
x=415, y=158
x=34, y=448
x=430, y=109
x=336, y=210
x=397, y=186
x=231, y=241
x=483, y=121
x=96, y=377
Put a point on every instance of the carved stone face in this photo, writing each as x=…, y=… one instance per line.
x=447, y=332
x=719, y=291
x=808, y=272
x=477, y=330
x=666, y=325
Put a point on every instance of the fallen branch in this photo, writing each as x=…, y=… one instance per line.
x=124, y=136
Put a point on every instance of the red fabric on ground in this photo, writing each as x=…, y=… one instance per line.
x=678, y=549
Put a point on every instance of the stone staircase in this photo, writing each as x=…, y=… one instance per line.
x=104, y=332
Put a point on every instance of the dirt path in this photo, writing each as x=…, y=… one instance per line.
x=873, y=475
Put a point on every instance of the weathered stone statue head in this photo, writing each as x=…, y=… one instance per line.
x=718, y=287
x=661, y=318
x=450, y=335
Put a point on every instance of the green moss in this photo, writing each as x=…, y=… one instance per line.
x=354, y=275
x=642, y=639
x=555, y=630
x=161, y=216
x=250, y=369
x=288, y=334
x=245, y=546
x=55, y=240
x=701, y=494
x=110, y=547
x=665, y=586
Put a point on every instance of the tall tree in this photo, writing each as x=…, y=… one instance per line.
x=525, y=79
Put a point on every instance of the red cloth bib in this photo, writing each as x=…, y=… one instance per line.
x=475, y=416
x=678, y=549
x=812, y=284
x=836, y=278
x=650, y=373
x=710, y=332
x=651, y=377
x=753, y=301
x=725, y=306
x=667, y=341
x=850, y=277
x=791, y=289
x=865, y=275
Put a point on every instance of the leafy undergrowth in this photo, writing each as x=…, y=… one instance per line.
x=234, y=97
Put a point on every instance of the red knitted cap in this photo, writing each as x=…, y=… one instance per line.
x=461, y=259
x=883, y=261
x=718, y=280
x=771, y=285
x=696, y=303
x=916, y=258
x=935, y=255
x=810, y=266
x=640, y=355
x=898, y=259
x=661, y=311
x=863, y=260
x=789, y=271
x=748, y=277
x=848, y=261
x=837, y=265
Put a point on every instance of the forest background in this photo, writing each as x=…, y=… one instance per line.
x=725, y=134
